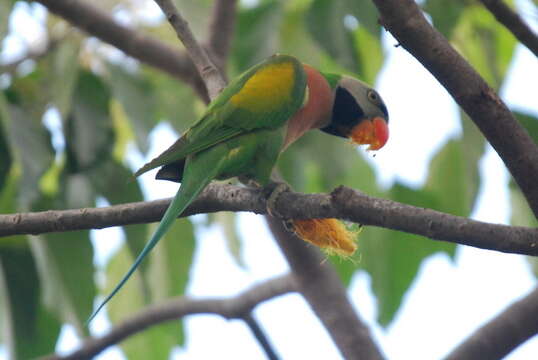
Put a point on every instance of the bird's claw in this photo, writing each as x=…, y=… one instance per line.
x=272, y=192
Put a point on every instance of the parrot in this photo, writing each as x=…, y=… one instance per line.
x=256, y=117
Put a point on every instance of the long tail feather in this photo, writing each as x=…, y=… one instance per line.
x=185, y=195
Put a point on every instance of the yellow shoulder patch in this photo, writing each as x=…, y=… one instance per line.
x=267, y=89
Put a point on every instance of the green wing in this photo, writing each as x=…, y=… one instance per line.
x=264, y=97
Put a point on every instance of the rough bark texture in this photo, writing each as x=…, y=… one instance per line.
x=344, y=203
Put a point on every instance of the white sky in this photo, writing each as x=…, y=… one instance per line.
x=447, y=300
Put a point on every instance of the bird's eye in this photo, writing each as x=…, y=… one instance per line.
x=372, y=95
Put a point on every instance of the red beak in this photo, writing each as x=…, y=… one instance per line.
x=373, y=132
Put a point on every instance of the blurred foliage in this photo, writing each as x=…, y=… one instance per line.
x=104, y=103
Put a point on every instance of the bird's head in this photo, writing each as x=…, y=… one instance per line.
x=358, y=112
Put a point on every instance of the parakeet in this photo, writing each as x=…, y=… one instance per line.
x=255, y=118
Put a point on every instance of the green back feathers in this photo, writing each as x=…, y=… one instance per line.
x=263, y=97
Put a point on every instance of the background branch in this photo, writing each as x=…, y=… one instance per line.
x=212, y=77
x=321, y=287
x=133, y=43
x=514, y=23
x=504, y=333
x=344, y=203
x=404, y=19
x=260, y=336
x=221, y=30
x=231, y=308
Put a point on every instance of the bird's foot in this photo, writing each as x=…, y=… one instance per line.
x=272, y=192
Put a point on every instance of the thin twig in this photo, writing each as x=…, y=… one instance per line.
x=230, y=308
x=514, y=23
x=406, y=22
x=133, y=43
x=212, y=77
x=321, y=287
x=497, y=338
x=344, y=203
x=259, y=334
x=221, y=30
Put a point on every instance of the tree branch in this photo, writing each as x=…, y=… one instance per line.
x=514, y=23
x=221, y=30
x=133, y=43
x=212, y=77
x=344, y=203
x=231, y=308
x=408, y=25
x=322, y=288
x=258, y=333
x=502, y=334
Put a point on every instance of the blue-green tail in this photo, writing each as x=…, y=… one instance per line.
x=185, y=195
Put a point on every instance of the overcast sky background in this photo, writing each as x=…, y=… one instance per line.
x=447, y=301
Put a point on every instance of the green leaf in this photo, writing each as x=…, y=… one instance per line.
x=454, y=188
x=65, y=263
x=28, y=329
x=63, y=65
x=349, y=32
x=530, y=122
x=473, y=146
x=228, y=223
x=135, y=93
x=305, y=165
x=294, y=38
x=488, y=46
x=325, y=21
x=65, y=260
x=256, y=34
x=393, y=258
x=369, y=55
x=29, y=143
x=521, y=214
x=116, y=183
x=174, y=101
x=451, y=187
x=445, y=14
x=367, y=15
x=89, y=132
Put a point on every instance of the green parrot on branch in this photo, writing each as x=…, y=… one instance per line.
x=256, y=117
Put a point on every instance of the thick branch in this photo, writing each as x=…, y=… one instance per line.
x=406, y=22
x=232, y=308
x=141, y=47
x=321, y=287
x=212, y=77
x=504, y=333
x=221, y=30
x=514, y=23
x=343, y=203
